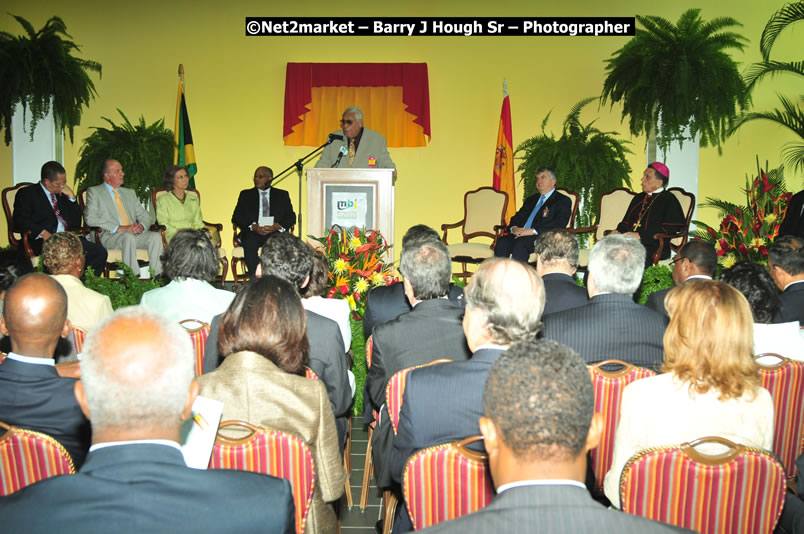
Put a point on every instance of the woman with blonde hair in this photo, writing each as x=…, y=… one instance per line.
x=710, y=385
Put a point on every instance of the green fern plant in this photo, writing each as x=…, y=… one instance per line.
x=39, y=71
x=144, y=151
x=670, y=77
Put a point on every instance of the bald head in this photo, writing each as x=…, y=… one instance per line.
x=35, y=315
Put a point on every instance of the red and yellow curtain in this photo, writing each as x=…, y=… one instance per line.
x=394, y=97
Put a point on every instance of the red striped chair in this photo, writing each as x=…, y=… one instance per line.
x=199, y=332
x=368, y=465
x=79, y=336
x=785, y=382
x=27, y=457
x=272, y=453
x=446, y=481
x=741, y=490
x=609, y=388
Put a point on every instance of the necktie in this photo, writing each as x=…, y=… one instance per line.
x=121, y=210
x=533, y=213
x=58, y=212
x=352, y=151
x=265, y=205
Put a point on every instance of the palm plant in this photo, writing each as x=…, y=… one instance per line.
x=144, y=151
x=38, y=71
x=791, y=115
x=587, y=160
x=671, y=78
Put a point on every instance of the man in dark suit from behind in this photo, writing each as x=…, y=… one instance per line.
x=49, y=207
x=539, y=422
x=793, y=223
x=786, y=264
x=611, y=325
x=557, y=259
x=137, y=386
x=697, y=260
x=384, y=303
x=32, y=394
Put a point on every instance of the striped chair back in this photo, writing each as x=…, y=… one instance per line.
x=3, y=356
x=446, y=481
x=785, y=382
x=741, y=490
x=199, y=332
x=309, y=373
x=609, y=388
x=27, y=457
x=79, y=335
x=272, y=453
x=395, y=390
x=369, y=347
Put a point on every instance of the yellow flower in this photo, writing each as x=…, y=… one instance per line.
x=361, y=285
x=728, y=260
x=770, y=218
x=377, y=279
x=351, y=300
x=757, y=242
x=717, y=245
x=354, y=242
x=340, y=266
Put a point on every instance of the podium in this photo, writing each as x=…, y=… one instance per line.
x=351, y=197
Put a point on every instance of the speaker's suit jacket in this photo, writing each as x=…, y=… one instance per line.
x=248, y=207
x=35, y=397
x=610, y=326
x=562, y=293
x=549, y=509
x=792, y=300
x=372, y=144
x=441, y=404
x=253, y=389
x=384, y=303
x=793, y=223
x=431, y=331
x=141, y=488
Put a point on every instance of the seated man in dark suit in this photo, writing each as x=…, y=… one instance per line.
x=793, y=223
x=549, y=209
x=612, y=325
x=137, y=385
x=786, y=264
x=557, y=259
x=49, y=207
x=697, y=260
x=261, y=201
x=539, y=423
x=431, y=331
x=384, y=303
x=32, y=394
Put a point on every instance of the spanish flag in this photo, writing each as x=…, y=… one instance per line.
x=504, y=157
x=184, y=153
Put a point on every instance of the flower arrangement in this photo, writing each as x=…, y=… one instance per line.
x=747, y=231
x=356, y=264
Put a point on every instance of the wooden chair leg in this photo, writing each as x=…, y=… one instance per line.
x=367, y=467
x=347, y=466
x=224, y=271
x=389, y=504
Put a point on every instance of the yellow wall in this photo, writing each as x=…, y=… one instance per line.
x=235, y=88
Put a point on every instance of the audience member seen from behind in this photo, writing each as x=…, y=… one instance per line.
x=539, y=423
x=190, y=263
x=786, y=264
x=314, y=299
x=261, y=381
x=756, y=285
x=710, y=385
x=178, y=208
x=13, y=265
x=556, y=261
x=138, y=387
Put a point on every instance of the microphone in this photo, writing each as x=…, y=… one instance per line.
x=341, y=154
x=334, y=137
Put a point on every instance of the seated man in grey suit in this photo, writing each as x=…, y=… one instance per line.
x=697, y=260
x=612, y=325
x=786, y=264
x=557, y=259
x=123, y=221
x=431, y=331
x=539, y=423
x=137, y=386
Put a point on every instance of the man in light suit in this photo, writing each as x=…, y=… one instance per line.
x=123, y=221
x=137, y=386
x=611, y=325
x=697, y=260
x=357, y=147
x=549, y=209
x=539, y=423
x=262, y=200
x=35, y=210
x=557, y=259
x=786, y=264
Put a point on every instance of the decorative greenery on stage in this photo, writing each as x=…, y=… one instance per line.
x=655, y=278
x=747, y=230
x=126, y=290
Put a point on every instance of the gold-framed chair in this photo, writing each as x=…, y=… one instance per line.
x=27, y=456
x=483, y=209
x=18, y=240
x=677, y=240
x=613, y=205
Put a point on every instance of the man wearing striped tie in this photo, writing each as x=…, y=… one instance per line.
x=549, y=209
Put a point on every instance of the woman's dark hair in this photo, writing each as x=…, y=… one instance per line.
x=13, y=265
x=267, y=317
x=755, y=283
x=170, y=174
x=190, y=254
x=319, y=277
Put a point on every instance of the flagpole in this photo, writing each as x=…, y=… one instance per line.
x=181, y=74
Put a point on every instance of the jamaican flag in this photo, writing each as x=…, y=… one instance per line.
x=184, y=153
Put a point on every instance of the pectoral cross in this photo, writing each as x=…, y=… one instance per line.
x=637, y=225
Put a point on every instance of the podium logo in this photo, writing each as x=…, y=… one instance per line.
x=347, y=204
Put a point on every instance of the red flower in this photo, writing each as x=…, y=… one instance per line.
x=721, y=252
x=756, y=228
x=763, y=250
x=331, y=293
x=343, y=289
x=711, y=233
x=743, y=249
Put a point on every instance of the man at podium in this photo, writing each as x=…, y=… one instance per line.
x=355, y=146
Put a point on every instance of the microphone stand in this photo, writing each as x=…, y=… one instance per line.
x=299, y=165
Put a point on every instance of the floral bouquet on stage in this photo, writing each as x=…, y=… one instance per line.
x=747, y=231
x=357, y=263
